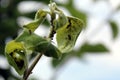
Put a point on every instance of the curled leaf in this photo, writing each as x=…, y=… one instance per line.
x=67, y=34
x=37, y=43
x=29, y=40
x=62, y=20
x=39, y=18
x=16, y=56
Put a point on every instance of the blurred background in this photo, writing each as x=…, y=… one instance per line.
x=96, y=55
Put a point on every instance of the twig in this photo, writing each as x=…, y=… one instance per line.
x=29, y=70
x=51, y=35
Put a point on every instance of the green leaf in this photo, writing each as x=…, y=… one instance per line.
x=114, y=29
x=48, y=49
x=33, y=42
x=67, y=35
x=16, y=56
x=60, y=21
x=39, y=18
x=29, y=39
x=92, y=48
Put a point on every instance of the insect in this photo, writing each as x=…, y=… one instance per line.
x=69, y=37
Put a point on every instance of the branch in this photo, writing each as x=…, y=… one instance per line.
x=29, y=70
x=51, y=34
x=37, y=58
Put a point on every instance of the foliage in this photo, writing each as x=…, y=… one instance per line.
x=114, y=29
x=28, y=42
x=9, y=29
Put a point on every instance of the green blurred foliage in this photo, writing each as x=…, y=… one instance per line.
x=9, y=29
x=114, y=29
x=86, y=47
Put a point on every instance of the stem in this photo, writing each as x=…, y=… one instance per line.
x=52, y=31
x=53, y=16
x=29, y=70
x=37, y=58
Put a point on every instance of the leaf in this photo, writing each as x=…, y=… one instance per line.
x=29, y=39
x=86, y=47
x=36, y=43
x=39, y=18
x=67, y=35
x=16, y=56
x=48, y=49
x=60, y=21
x=114, y=29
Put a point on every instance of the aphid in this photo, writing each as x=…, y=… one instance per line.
x=69, y=37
